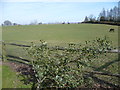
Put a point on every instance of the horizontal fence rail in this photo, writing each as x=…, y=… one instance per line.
x=62, y=48
x=101, y=73
x=22, y=60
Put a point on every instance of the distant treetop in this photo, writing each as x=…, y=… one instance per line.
x=7, y=23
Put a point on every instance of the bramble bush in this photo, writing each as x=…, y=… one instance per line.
x=54, y=67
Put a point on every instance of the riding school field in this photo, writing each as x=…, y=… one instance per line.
x=61, y=34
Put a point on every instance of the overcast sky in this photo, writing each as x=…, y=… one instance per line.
x=26, y=11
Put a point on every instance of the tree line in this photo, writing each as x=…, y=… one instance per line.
x=111, y=15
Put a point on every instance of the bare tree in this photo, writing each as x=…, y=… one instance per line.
x=92, y=18
x=86, y=19
x=7, y=23
x=102, y=15
x=34, y=22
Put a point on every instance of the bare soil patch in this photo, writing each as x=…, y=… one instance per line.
x=22, y=70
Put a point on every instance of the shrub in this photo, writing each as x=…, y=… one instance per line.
x=63, y=68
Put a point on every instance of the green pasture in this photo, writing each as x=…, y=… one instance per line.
x=55, y=34
x=10, y=79
x=0, y=76
x=58, y=33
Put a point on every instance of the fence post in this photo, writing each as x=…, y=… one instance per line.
x=4, y=54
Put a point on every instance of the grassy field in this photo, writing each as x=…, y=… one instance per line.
x=0, y=76
x=59, y=35
x=10, y=78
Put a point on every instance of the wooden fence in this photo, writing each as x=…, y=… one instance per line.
x=62, y=48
